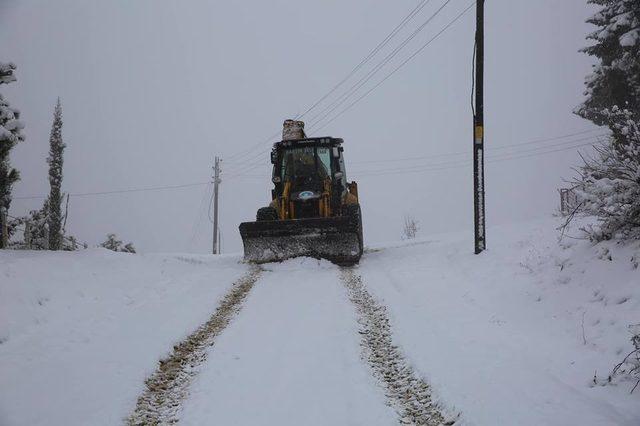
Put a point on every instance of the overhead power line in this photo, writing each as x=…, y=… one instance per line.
x=351, y=105
x=464, y=163
x=468, y=160
x=364, y=61
x=249, y=161
x=491, y=154
x=119, y=191
x=371, y=54
x=345, y=96
x=198, y=219
x=492, y=149
x=248, y=151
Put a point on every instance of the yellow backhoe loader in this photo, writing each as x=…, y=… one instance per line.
x=314, y=210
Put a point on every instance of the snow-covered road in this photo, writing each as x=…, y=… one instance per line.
x=310, y=347
x=509, y=337
x=292, y=357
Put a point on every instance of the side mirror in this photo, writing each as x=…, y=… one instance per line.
x=338, y=175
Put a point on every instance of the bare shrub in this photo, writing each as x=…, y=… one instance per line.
x=411, y=228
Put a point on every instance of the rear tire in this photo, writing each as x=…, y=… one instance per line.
x=266, y=213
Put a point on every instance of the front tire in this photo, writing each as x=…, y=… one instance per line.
x=266, y=213
x=354, y=212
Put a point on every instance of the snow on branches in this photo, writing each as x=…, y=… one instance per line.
x=10, y=134
x=629, y=368
x=6, y=72
x=114, y=244
x=609, y=182
x=615, y=80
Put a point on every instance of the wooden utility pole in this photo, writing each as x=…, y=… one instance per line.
x=216, y=183
x=478, y=135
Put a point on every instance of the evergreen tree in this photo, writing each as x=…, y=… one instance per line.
x=609, y=184
x=615, y=80
x=55, y=161
x=10, y=135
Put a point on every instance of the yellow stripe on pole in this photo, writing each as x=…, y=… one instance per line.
x=479, y=134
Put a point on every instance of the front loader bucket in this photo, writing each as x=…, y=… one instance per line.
x=337, y=239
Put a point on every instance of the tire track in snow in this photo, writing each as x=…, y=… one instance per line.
x=407, y=393
x=167, y=387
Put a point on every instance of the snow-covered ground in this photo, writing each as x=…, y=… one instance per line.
x=510, y=337
x=81, y=331
x=500, y=335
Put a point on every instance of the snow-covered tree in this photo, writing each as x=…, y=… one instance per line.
x=35, y=230
x=31, y=232
x=113, y=243
x=10, y=135
x=71, y=244
x=609, y=183
x=615, y=80
x=6, y=72
x=55, y=161
x=129, y=248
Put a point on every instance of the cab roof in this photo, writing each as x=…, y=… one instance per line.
x=322, y=141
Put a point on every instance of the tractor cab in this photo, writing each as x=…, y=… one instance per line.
x=304, y=170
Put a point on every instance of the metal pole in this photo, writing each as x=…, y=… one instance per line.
x=478, y=135
x=216, y=182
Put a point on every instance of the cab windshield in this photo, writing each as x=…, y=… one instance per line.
x=306, y=167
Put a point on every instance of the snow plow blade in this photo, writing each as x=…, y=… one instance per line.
x=337, y=239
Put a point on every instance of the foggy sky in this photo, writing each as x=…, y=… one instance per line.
x=152, y=90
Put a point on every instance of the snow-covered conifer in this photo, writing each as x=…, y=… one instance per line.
x=609, y=183
x=615, y=80
x=10, y=135
x=55, y=161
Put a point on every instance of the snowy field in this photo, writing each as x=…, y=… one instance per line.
x=510, y=337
